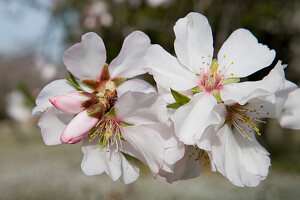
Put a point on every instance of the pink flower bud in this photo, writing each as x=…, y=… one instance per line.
x=72, y=103
x=78, y=128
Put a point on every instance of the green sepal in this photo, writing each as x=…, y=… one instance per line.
x=94, y=111
x=197, y=89
x=230, y=80
x=125, y=124
x=119, y=80
x=217, y=95
x=73, y=82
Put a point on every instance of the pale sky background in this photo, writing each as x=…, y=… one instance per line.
x=24, y=28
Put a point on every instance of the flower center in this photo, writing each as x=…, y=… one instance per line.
x=212, y=76
x=245, y=119
x=108, y=133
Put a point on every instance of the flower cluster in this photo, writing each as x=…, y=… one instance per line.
x=200, y=110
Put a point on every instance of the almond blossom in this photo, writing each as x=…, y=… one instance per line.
x=231, y=143
x=194, y=73
x=112, y=115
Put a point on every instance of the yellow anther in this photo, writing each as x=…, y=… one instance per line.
x=231, y=74
x=224, y=56
x=202, y=57
x=242, y=129
x=232, y=63
x=209, y=56
x=259, y=134
x=268, y=113
x=262, y=106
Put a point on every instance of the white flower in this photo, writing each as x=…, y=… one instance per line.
x=194, y=70
x=112, y=116
x=231, y=144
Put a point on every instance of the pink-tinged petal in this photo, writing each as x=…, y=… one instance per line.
x=96, y=160
x=242, y=55
x=52, y=124
x=135, y=85
x=130, y=61
x=194, y=41
x=78, y=128
x=70, y=103
x=185, y=168
x=86, y=59
x=57, y=87
x=141, y=108
x=290, y=117
x=246, y=91
x=145, y=144
x=167, y=71
x=243, y=162
x=191, y=119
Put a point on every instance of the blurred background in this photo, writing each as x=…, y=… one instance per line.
x=35, y=33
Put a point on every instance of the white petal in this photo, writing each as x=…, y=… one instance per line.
x=141, y=108
x=174, y=149
x=145, y=144
x=135, y=85
x=290, y=117
x=130, y=61
x=245, y=91
x=52, y=124
x=282, y=95
x=130, y=172
x=247, y=55
x=194, y=41
x=86, y=59
x=96, y=161
x=57, y=87
x=191, y=119
x=243, y=162
x=185, y=168
x=167, y=71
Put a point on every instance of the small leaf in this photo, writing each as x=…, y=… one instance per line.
x=73, y=82
x=230, y=80
x=175, y=105
x=179, y=97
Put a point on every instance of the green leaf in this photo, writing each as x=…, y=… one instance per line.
x=175, y=105
x=230, y=80
x=73, y=82
x=179, y=97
